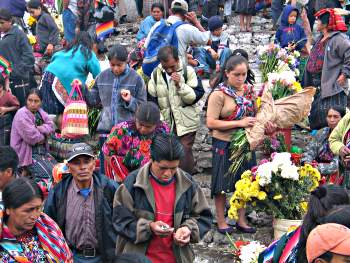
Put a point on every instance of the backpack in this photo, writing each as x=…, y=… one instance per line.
x=163, y=35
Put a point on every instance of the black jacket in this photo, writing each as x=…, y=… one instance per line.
x=104, y=190
x=15, y=47
x=47, y=31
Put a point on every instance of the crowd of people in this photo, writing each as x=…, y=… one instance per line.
x=132, y=198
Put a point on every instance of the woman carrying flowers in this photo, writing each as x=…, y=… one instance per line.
x=230, y=106
x=128, y=145
x=318, y=149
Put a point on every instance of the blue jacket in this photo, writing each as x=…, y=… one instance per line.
x=104, y=190
x=145, y=27
x=287, y=33
x=16, y=7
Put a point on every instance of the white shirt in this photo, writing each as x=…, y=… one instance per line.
x=186, y=34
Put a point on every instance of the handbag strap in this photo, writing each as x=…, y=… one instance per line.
x=76, y=84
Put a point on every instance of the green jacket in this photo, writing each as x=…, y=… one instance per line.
x=336, y=139
x=177, y=106
x=134, y=209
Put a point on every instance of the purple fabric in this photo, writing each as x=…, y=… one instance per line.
x=16, y=7
x=24, y=133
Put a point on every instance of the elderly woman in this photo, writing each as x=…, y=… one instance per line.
x=30, y=130
x=318, y=149
x=128, y=144
x=27, y=234
x=328, y=67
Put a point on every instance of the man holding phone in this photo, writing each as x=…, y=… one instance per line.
x=160, y=210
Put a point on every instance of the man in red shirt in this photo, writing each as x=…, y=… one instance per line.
x=160, y=209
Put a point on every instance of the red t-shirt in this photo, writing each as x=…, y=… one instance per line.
x=8, y=100
x=160, y=249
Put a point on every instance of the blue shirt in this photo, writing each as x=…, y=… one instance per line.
x=145, y=27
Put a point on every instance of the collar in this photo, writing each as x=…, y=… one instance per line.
x=173, y=19
x=164, y=183
x=76, y=188
x=126, y=72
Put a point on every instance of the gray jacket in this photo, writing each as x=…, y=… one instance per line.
x=336, y=61
x=101, y=96
x=47, y=31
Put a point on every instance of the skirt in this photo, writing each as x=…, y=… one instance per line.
x=50, y=103
x=245, y=7
x=221, y=181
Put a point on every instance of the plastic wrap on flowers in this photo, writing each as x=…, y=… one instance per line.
x=284, y=113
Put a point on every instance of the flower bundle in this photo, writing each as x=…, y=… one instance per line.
x=283, y=84
x=277, y=186
x=31, y=21
x=246, y=251
x=273, y=58
x=274, y=144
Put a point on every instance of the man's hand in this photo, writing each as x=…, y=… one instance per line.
x=341, y=80
x=344, y=152
x=161, y=229
x=126, y=95
x=192, y=18
x=182, y=236
x=176, y=78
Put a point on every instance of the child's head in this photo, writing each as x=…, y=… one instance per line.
x=35, y=8
x=5, y=20
x=157, y=11
x=215, y=24
x=292, y=18
x=118, y=57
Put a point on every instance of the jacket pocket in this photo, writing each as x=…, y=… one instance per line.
x=189, y=116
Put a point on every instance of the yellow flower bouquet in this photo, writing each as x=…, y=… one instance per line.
x=277, y=187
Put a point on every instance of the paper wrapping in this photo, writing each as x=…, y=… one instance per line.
x=284, y=113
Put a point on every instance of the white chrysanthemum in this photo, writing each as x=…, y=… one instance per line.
x=265, y=173
x=287, y=77
x=250, y=252
x=279, y=160
x=290, y=172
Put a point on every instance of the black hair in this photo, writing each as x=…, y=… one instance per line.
x=166, y=147
x=167, y=52
x=250, y=74
x=9, y=158
x=2, y=81
x=321, y=201
x=230, y=64
x=341, y=110
x=324, y=18
x=36, y=92
x=148, y=112
x=84, y=41
x=118, y=52
x=326, y=256
x=131, y=258
x=5, y=14
x=338, y=215
x=35, y=4
x=158, y=5
x=20, y=191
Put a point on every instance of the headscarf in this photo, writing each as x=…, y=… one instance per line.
x=336, y=22
x=5, y=67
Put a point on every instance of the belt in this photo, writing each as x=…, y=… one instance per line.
x=86, y=252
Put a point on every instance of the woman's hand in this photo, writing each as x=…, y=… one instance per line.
x=247, y=122
x=341, y=80
x=49, y=49
x=270, y=128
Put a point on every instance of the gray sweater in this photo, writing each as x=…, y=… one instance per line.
x=336, y=61
x=47, y=31
x=101, y=96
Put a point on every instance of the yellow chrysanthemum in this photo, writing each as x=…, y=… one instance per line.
x=277, y=197
x=32, y=39
x=297, y=86
x=31, y=21
x=304, y=206
x=262, y=195
x=258, y=102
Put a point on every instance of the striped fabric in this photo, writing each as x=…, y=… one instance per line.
x=5, y=67
x=75, y=118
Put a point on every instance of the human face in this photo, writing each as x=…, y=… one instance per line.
x=335, y=259
x=5, y=26
x=5, y=177
x=237, y=76
x=319, y=26
x=33, y=103
x=171, y=66
x=217, y=32
x=23, y=218
x=145, y=128
x=164, y=170
x=157, y=13
x=333, y=117
x=34, y=12
x=292, y=18
x=82, y=168
x=117, y=67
